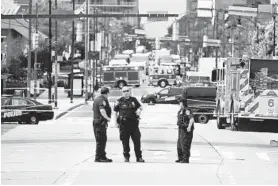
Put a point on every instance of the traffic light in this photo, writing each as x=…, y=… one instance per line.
x=239, y=21
x=35, y=40
x=178, y=70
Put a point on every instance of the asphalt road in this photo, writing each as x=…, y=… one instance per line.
x=62, y=152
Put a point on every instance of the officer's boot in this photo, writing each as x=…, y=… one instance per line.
x=184, y=161
x=140, y=160
x=126, y=159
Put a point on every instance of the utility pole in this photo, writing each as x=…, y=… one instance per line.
x=72, y=55
x=56, y=63
x=94, y=49
x=86, y=51
x=216, y=37
x=96, y=60
x=36, y=58
x=50, y=56
x=29, y=52
x=274, y=28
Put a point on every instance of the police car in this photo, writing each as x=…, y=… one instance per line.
x=24, y=110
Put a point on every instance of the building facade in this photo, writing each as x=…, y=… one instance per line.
x=114, y=6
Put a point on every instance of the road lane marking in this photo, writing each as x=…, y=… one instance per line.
x=228, y=155
x=71, y=178
x=263, y=156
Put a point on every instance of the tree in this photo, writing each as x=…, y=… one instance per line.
x=169, y=31
x=64, y=26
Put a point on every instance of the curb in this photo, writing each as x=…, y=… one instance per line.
x=70, y=109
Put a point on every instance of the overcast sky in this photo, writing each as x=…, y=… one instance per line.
x=172, y=6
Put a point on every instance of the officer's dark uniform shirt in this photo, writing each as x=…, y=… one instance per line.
x=183, y=119
x=127, y=107
x=101, y=102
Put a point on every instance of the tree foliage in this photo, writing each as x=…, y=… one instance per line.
x=63, y=28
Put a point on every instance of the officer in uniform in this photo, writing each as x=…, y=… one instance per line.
x=128, y=111
x=186, y=126
x=102, y=115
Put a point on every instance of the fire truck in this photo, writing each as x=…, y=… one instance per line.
x=162, y=76
x=120, y=76
x=247, y=93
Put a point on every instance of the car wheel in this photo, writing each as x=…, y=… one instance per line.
x=163, y=83
x=33, y=119
x=203, y=119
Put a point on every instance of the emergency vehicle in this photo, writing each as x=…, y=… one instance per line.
x=120, y=76
x=162, y=76
x=247, y=93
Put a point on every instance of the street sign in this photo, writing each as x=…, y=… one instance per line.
x=153, y=19
x=242, y=11
x=93, y=55
x=204, y=8
x=211, y=42
x=140, y=31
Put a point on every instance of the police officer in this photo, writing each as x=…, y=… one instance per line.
x=185, y=134
x=102, y=115
x=128, y=111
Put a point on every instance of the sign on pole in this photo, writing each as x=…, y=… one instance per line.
x=204, y=8
x=153, y=19
x=140, y=31
x=242, y=11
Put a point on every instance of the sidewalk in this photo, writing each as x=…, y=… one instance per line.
x=64, y=105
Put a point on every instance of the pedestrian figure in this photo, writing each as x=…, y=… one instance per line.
x=185, y=134
x=102, y=115
x=128, y=111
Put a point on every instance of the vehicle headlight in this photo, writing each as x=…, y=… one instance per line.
x=144, y=96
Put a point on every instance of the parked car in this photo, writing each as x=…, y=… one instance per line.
x=169, y=95
x=24, y=110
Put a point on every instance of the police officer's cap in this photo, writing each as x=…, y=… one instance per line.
x=104, y=90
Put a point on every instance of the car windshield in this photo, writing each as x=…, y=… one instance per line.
x=164, y=91
x=4, y=101
x=198, y=78
x=139, y=58
x=166, y=59
x=121, y=57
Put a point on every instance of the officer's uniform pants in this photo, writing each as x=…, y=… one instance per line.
x=184, y=144
x=101, y=139
x=130, y=129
